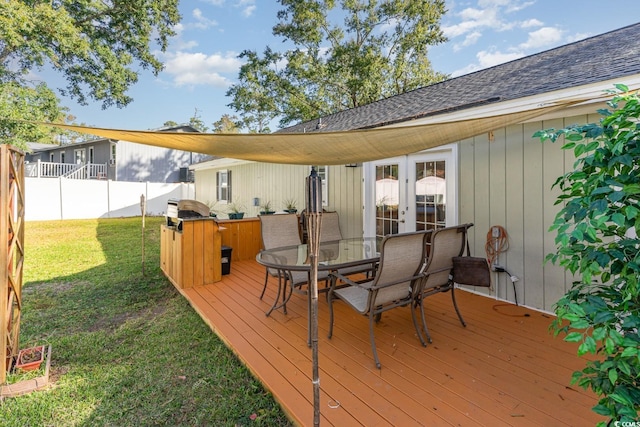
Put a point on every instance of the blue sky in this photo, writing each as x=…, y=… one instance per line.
x=202, y=60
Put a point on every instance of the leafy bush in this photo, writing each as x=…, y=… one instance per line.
x=597, y=241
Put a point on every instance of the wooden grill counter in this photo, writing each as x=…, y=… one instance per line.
x=190, y=252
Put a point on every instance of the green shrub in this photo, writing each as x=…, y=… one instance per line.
x=597, y=241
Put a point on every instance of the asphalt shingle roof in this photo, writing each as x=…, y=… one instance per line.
x=612, y=55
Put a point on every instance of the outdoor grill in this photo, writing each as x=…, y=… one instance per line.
x=186, y=208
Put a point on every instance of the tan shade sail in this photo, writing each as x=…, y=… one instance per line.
x=328, y=148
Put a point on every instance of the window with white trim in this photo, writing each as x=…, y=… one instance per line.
x=223, y=185
x=323, y=173
x=79, y=156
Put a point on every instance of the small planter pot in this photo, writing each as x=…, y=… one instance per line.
x=30, y=359
x=267, y=212
x=236, y=215
x=291, y=211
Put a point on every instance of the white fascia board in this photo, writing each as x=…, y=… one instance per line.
x=218, y=163
x=592, y=94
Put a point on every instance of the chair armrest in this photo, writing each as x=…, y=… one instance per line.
x=339, y=276
x=395, y=282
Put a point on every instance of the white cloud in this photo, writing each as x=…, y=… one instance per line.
x=466, y=70
x=489, y=15
x=472, y=38
x=214, y=2
x=247, y=6
x=509, y=5
x=488, y=59
x=191, y=69
x=578, y=36
x=451, y=31
x=485, y=19
x=202, y=22
x=179, y=44
x=544, y=37
x=248, y=11
x=531, y=23
x=517, y=7
x=469, y=40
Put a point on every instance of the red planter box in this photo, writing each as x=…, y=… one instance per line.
x=30, y=359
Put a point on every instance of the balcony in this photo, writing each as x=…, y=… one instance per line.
x=66, y=170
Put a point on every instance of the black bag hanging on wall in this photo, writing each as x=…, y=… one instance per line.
x=472, y=271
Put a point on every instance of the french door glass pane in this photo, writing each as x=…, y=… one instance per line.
x=431, y=195
x=387, y=199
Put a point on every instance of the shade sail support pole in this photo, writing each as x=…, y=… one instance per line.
x=313, y=199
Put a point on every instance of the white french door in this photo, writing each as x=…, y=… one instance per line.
x=410, y=193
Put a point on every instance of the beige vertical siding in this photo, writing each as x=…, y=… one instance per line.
x=505, y=179
x=345, y=196
x=507, y=182
x=277, y=183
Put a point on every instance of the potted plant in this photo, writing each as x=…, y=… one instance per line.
x=235, y=210
x=30, y=359
x=265, y=208
x=213, y=212
x=290, y=206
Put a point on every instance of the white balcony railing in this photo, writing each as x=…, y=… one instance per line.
x=67, y=170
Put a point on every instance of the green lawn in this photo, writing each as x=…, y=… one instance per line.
x=128, y=350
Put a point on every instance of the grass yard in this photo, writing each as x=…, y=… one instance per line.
x=128, y=350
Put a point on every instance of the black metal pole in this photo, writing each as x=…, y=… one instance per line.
x=313, y=198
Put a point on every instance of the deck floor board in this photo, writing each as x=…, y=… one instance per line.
x=504, y=368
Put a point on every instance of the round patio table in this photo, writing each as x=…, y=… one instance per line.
x=347, y=255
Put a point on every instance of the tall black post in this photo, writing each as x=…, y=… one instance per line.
x=313, y=199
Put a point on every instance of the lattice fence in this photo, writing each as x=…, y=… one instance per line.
x=11, y=252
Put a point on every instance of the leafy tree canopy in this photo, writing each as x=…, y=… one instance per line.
x=96, y=45
x=227, y=124
x=197, y=123
x=379, y=49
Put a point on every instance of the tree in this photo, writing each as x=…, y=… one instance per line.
x=197, y=123
x=97, y=46
x=227, y=124
x=597, y=240
x=380, y=50
x=18, y=103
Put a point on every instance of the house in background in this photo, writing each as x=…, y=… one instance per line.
x=502, y=178
x=114, y=160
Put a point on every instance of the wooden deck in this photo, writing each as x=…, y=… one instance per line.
x=504, y=368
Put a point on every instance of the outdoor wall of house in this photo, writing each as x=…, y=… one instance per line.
x=346, y=197
x=101, y=153
x=507, y=182
x=277, y=183
x=139, y=162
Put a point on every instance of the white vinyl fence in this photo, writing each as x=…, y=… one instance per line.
x=61, y=198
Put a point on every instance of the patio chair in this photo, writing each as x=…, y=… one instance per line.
x=278, y=231
x=395, y=284
x=330, y=232
x=282, y=231
x=443, y=245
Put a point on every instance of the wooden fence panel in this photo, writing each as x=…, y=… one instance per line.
x=12, y=253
